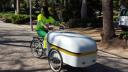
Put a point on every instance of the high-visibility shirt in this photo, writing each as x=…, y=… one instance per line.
x=42, y=20
x=40, y=17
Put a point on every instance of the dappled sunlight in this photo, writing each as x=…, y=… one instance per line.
x=94, y=33
x=17, y=58
x=113, y=61
x=15, y=54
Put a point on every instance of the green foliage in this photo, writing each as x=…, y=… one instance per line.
x=90, y=22
x=6, y=5
x=115, y=18
x=6, y=17
x=93, y=5
x=16, y=19
x=124, y=35
x=66, y=9
x=116, y=5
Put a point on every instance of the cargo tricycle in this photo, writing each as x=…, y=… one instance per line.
x=63, y=47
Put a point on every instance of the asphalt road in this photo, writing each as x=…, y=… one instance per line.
x=15, y=55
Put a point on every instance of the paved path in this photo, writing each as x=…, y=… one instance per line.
x=15, y=54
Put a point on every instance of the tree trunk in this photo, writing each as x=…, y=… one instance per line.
x=84, y=9
x=108, y=28
x=17, y=7
x=46, y=3
x=27, y=1
x=65, y=3
x=14, y=5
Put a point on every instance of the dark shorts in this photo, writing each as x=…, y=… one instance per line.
x=42, y=33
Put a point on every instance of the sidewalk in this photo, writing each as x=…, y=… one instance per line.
x=122, y=53
x=95, y=34
x=15, y=54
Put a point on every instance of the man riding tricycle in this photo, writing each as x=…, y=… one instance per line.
x=62, y=47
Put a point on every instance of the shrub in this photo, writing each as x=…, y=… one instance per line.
x=16, y=19
x=19, y=19
x=7, y=18
x=1, y=15
x=90, y=22
x=124, y=35
x=115, y=18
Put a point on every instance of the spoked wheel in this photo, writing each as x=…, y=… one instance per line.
x=55, y=60
x=37, y=48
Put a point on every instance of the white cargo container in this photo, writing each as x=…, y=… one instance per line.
x=71, y=48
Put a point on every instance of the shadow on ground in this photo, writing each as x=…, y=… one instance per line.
x=13, y=57
x=34, y=70
x=95, y=68
x=14, y=43
x=20, y=38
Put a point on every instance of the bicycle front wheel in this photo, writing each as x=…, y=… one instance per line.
x=36, y=48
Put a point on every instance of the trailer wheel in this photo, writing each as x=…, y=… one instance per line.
x=36, y=48
x=55, y=60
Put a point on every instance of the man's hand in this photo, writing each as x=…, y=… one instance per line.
x=46, y=27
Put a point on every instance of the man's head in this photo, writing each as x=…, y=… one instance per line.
x=42, y=11
x=46, y=12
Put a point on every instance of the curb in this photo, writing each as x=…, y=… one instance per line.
x=113, y=54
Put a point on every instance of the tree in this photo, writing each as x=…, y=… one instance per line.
x=17, y=10
x=5, y=5
x=84, y=9
x=46, y=3
x=108, y=28
x=116, y=5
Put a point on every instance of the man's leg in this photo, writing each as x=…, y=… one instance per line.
x=43, y=35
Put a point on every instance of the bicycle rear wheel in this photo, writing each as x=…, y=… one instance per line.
x=55, y=60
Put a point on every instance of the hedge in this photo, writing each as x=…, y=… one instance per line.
x=16, y=19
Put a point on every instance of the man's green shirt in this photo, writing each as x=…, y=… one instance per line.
x=42, y=20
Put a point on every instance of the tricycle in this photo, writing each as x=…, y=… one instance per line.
x=63, y=47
